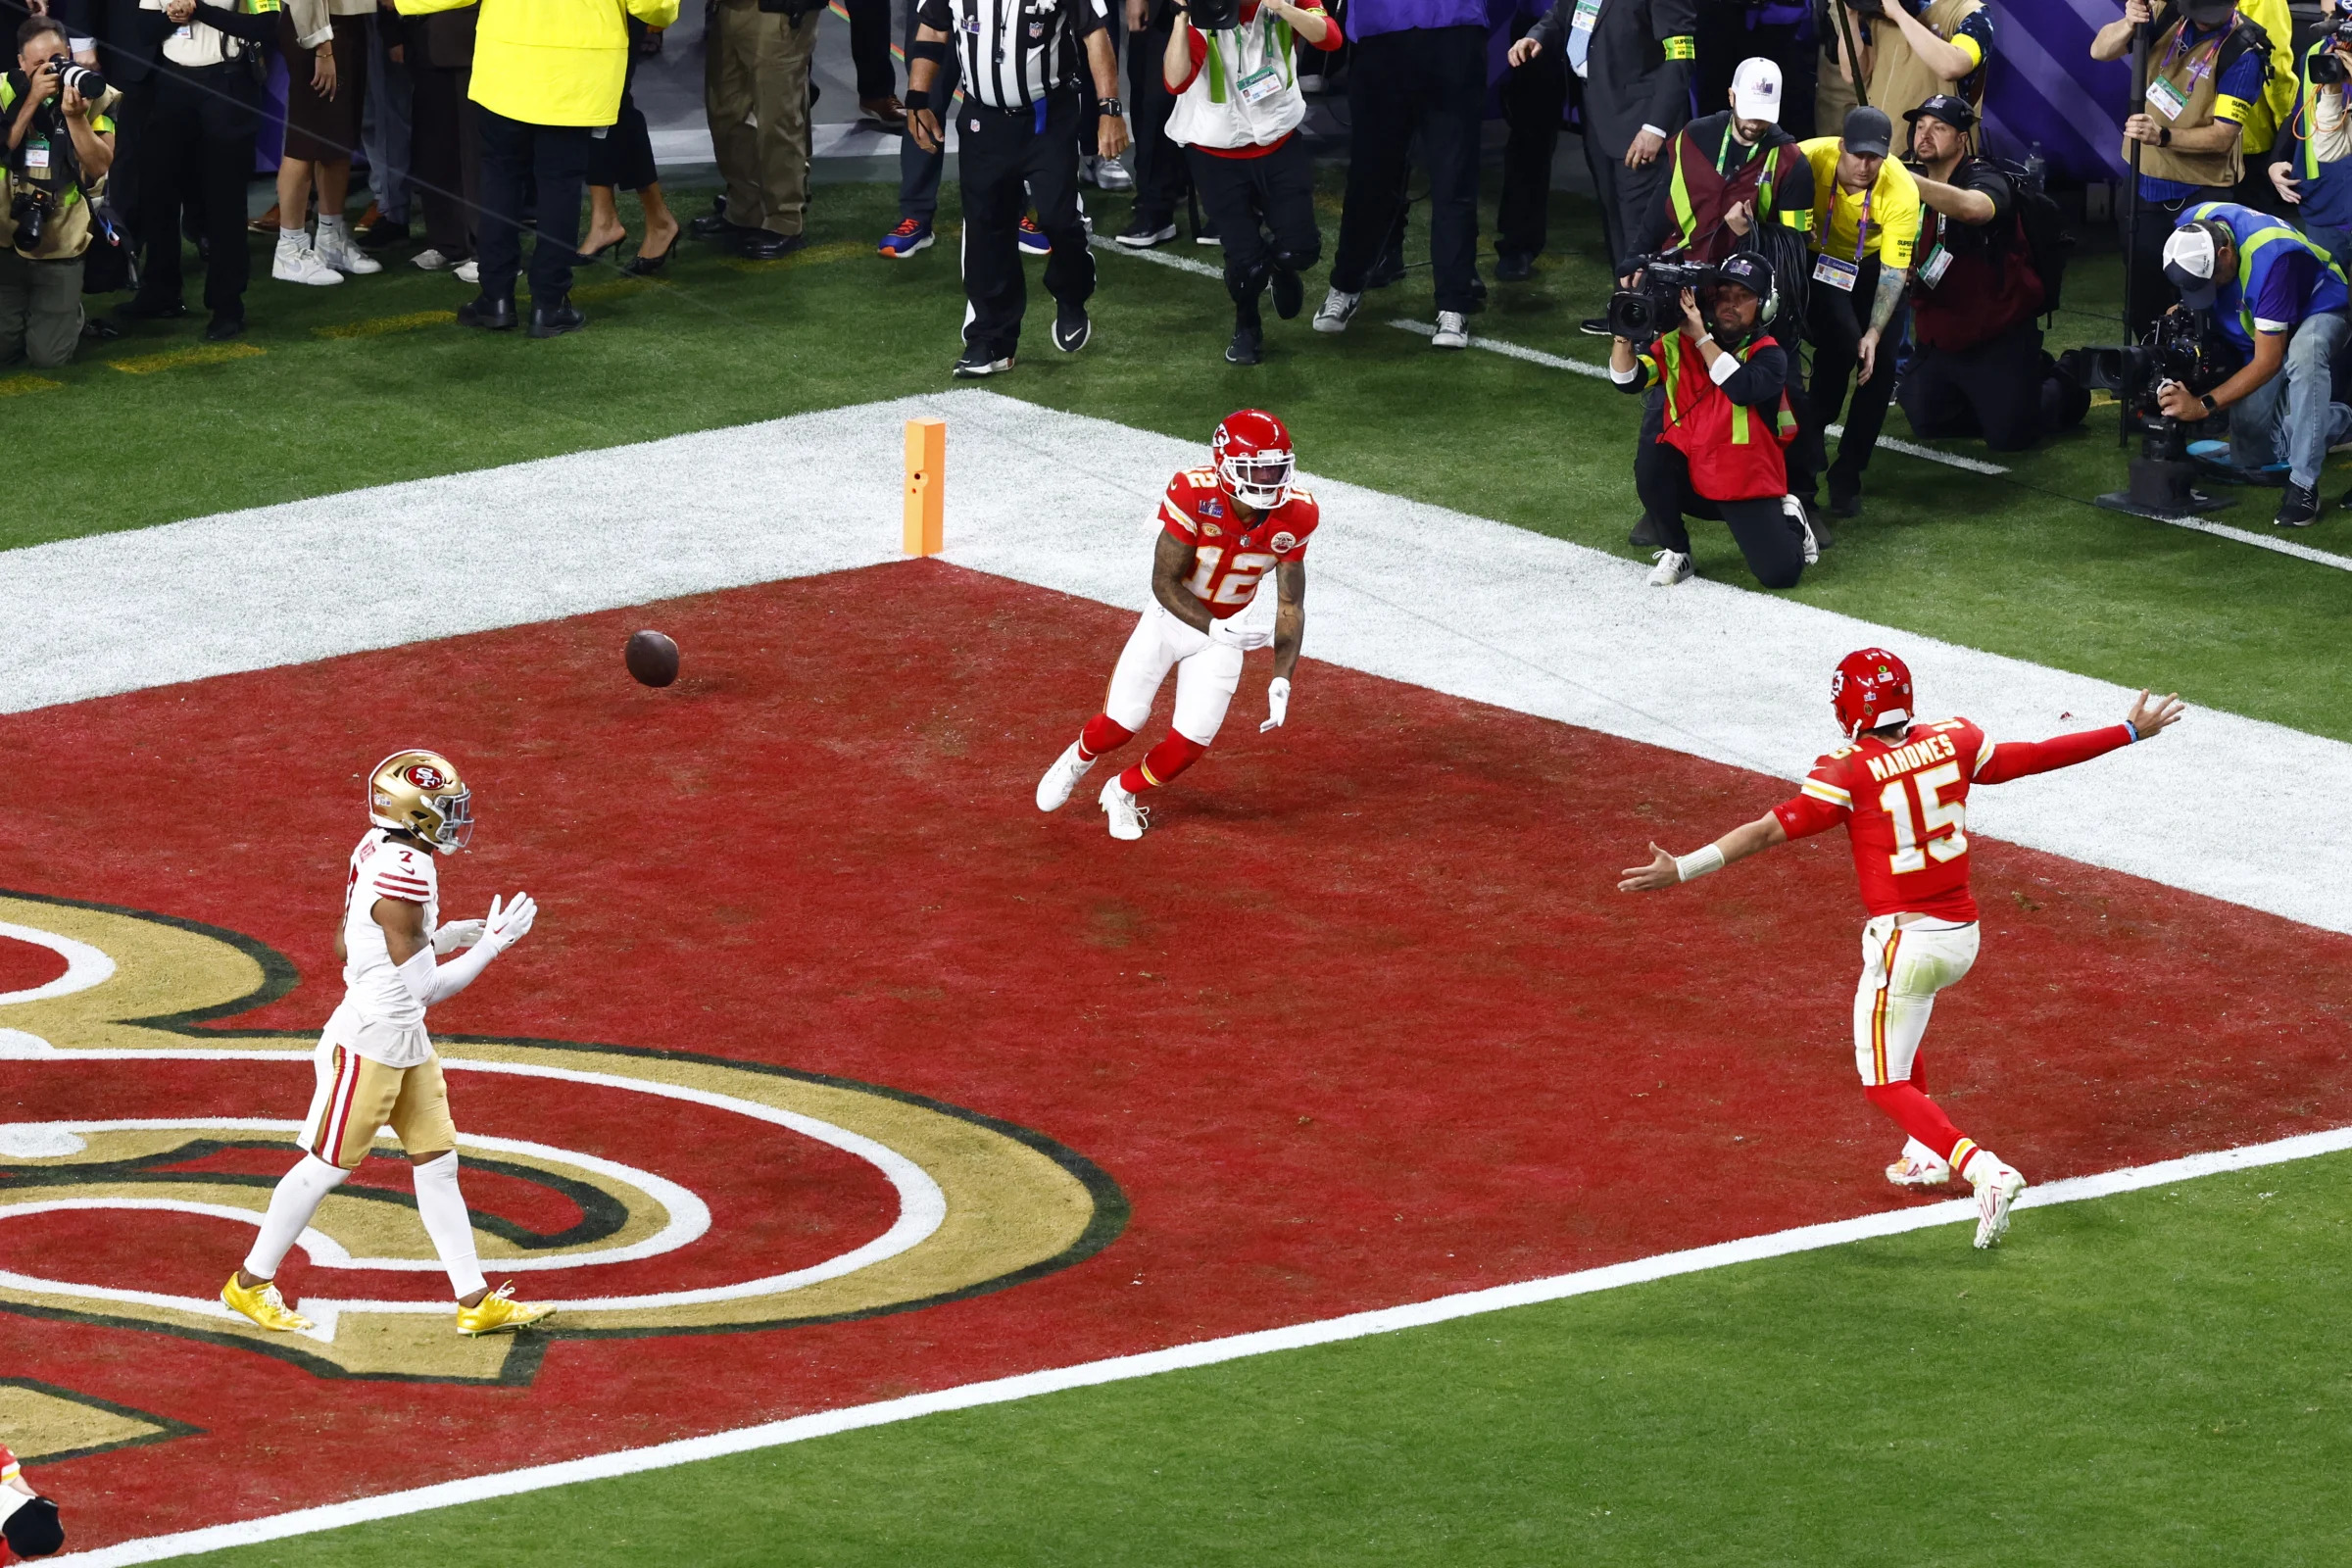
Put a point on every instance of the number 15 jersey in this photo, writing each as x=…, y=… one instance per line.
x=1905, y=809
x=1228, y=562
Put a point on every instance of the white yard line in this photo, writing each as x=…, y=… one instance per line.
x=1402, y=589
x=2265, y=541
x=1158, y=258
x=1557, y=361
x=1182, y=1357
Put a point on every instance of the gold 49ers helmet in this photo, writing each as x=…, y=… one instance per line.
x=420, y=793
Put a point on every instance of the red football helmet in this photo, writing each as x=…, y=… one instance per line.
x=1871, y=688
x=1252, y=455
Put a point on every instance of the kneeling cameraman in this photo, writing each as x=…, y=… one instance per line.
x=60, y=145
x=2279, y=300
x=1975, y=296
x=1717, y=451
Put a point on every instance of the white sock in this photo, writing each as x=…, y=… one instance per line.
x=299, y=1194
x=443, y=1208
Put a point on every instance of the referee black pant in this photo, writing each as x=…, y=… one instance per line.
x=1992, y=390
x=1006, y=161
x=1766, y=536
x=1244, y=198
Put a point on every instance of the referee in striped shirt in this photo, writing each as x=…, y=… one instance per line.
x=1020, y=114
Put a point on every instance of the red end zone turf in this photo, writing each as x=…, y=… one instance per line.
x=1361, y=1021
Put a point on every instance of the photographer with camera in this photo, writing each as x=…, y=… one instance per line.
x=1238, y=121
x=2313, y=170
x=1979, y=369
x=1717, y=450
x=1866, y=217
x=2207, y=63
x=2279, y=300
x=60, y=145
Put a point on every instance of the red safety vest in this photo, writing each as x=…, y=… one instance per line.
x=1735, y=454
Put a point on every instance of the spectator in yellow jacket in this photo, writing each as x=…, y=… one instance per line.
x=547, y=75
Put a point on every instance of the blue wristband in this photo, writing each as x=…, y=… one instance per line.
x=2133, y=729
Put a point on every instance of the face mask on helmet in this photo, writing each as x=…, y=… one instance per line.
x=1259, y=479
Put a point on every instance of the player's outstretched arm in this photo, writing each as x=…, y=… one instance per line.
x=2021, y=759
x=1666, y=870
x=430, y=982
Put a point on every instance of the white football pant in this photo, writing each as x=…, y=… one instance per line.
x=1902, y=969
x=1207, y=673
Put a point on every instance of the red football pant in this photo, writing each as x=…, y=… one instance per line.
x=1163, y=762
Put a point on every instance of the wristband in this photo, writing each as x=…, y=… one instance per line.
x=1114, y=108
x=2211, y=407
x=1698, y=863
x=2164, y=135
x=2132, y=730
x=917, y=98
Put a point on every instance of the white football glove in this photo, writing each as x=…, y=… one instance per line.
x=508, y=923
x=1278, y=705
x=456, y=934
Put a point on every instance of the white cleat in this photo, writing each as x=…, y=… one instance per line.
x=1994, y=1196
x=1920, y=1166
x=1672, y=567
x=1127, y=820
x=1062, y=777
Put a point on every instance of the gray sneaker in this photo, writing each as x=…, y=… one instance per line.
x=1339, y=308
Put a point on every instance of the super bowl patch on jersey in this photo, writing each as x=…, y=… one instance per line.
x=1283, y=543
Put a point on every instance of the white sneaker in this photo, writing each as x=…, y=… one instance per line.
x=468, y=270
x=1672, y=567
x=1920, y=1166
x=1994, y=1196
x=297, y=263
x=1061, y=778
x=1127, y=820
x=1111, y=175
x=1794, y=510
x=338, y=249
x=1453, y=331
x=1338, y=311
x=432, y=261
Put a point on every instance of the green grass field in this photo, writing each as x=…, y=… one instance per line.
x=2137, y=1381
x=2143, y=1380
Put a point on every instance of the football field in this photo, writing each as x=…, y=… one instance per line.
x=1344, y=1173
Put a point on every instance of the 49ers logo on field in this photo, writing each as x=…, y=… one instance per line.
x=643, y=1191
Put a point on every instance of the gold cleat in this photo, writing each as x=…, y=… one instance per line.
x=499, y=1311
x=264, y=1305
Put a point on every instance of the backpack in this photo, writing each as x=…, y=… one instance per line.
x=2042, y=222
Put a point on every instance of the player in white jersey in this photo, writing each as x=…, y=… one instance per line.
x=376, y=1064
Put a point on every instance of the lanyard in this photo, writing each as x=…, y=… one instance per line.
x=1862, y=227
x=2197, y=72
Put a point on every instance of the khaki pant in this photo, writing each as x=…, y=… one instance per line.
x=41, y=310
x=755, y=92
x=358, y=1095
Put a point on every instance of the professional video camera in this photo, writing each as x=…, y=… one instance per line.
x=2182, y=347
x=2327, y=68
x=1653, y=306
x=1215, y=15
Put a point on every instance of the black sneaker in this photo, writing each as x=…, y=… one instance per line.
x=1243, y=348
x=1071, y=327
x=978, y=363
x=1289, y=293
x=1645, y=536
x=1510, y=269
x=223, y=326
x=1845, y=503
x=1143, y=233
x=2299, y=508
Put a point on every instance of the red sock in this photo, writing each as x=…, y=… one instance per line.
x=1925, y=1120
x=1163, y=762
x=1103, y=733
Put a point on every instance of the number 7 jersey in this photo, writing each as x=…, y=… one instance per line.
x=1228, y=563
x=1905, y=809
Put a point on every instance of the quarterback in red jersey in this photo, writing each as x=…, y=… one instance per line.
x=1222, y=530
x=1902, y=790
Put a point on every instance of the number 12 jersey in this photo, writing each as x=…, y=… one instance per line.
x=1229, y=562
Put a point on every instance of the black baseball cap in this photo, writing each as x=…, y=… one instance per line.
x=2209, y=13
x=1867, y=132
x=1953, y=110
x=33, y=1530
x=1749, y=271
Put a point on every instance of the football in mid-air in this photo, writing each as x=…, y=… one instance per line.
x=652, y=657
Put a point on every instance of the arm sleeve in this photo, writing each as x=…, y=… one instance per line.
x=1998, y=764
x=257, y=30
x=431, y=981
x=1677, y=24
x=1086, y=19
x=1760, y=381
x=313, y=26
x=1991, y=184
x=1552, y=25
x=1803, y=816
